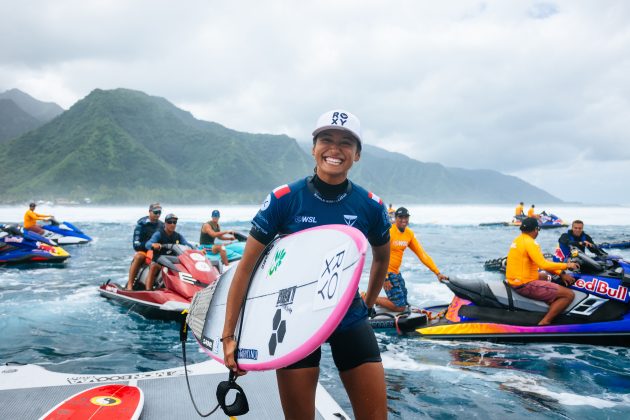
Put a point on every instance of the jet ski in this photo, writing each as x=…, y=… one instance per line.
x=617, y=244
x=599, y=313
x=545, y=221
x=18, y=245
x=64, y=233
x=234, y=249
x=183, y=273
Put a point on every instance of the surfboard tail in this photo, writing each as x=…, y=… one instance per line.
x=196, y=318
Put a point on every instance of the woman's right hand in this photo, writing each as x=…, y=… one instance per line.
x=229, y=348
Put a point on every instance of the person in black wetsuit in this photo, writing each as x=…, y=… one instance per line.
x=165, y=235
x=578, y=238
x=145, y=227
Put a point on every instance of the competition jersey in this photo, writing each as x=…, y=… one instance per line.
x=298, y=206
x=399, y=241
x=524, y=259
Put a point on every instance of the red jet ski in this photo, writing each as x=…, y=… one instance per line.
x=183, y=273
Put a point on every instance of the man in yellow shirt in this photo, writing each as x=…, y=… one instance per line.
x=31, y=218
x=402, y=237
x=523, y=261
x=519, y=212
x=532, y=213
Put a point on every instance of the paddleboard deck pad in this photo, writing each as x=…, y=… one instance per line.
x=30, y=391
x=299, y=293
x=114, y=401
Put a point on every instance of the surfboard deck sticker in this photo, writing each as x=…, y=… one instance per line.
x=298, y=295
x=105, y=402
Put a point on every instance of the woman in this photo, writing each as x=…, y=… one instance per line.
x=328, y=197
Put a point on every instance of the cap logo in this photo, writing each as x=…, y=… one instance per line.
x=339, y=118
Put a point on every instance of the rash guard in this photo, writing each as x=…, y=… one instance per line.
x=524, y=259
x=31, y=218
x=399, y=241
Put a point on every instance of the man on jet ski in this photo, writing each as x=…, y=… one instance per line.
x=211, y=231
x=163, y=236
x=523, y=262
x=145, y=228
x=31, y=218
x=401, y=237
x=578, y=238
x=519, y=211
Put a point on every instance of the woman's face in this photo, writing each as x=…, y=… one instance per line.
x=335, y=151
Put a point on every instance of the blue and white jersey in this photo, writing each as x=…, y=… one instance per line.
x=298, y=206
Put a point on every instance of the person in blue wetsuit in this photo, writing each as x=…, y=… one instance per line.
x=163, y=236
x=327, y=197
x=578, y=238
x=145, y=227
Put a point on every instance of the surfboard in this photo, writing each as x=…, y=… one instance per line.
x=298, y=295
x=114, y=401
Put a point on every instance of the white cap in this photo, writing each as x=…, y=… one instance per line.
x=338, y=119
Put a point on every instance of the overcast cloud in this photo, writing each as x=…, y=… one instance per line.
x=538, y=89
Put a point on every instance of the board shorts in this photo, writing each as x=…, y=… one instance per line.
x=545, y=291
x=353, y=343
x=398, y=293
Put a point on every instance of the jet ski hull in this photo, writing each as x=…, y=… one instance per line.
x=155, y=304
x=604, y=333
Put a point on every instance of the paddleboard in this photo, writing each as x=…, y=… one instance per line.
x=298, y=295
x=114, y=401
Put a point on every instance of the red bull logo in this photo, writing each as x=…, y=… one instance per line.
x=601, y=287
x=559, y=254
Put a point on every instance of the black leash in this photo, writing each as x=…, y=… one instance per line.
x=183, y=336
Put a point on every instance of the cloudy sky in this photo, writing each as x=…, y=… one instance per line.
x=538, y=89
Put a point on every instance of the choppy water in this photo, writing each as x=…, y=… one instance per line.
x=55, y=317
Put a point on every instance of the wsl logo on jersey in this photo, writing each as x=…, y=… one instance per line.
x=305, y=219
x=349, y=219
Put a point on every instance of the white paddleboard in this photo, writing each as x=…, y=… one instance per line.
x=298, y=295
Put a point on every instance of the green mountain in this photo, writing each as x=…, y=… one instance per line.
x=123, y=146
x=398, y=178
x=14, y=121
x=43, y=111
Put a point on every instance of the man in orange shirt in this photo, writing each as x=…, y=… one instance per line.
x=402, y=237
x=519, y=211
x=31, y=218
x=523, y=261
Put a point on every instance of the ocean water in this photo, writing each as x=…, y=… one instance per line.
x=54, y=316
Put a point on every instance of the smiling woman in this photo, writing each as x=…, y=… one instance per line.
x=325, y=198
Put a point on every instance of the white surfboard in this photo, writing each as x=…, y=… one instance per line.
x=298, y=295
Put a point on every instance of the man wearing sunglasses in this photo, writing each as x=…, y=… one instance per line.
x=523, y=262
x=145, y=228
x=163, y=236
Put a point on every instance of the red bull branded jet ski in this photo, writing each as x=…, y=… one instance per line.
x=19, y=246
x=599, y=313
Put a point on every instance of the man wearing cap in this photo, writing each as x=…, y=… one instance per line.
x=401, y=238
x=210, y=231
x=523, y=262
x=145, y=228
x=31, y=218
x=163, y=236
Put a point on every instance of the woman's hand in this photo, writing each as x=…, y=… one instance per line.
x=229, y=348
